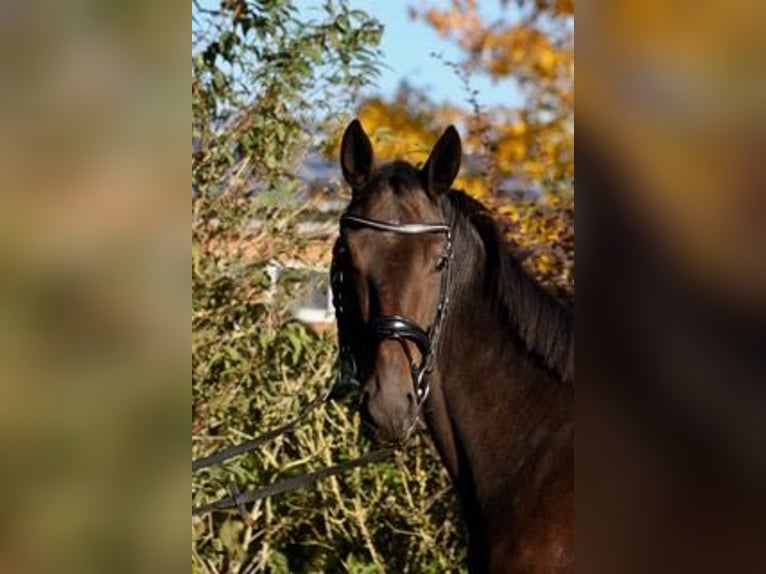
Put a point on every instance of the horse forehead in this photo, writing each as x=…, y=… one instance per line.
x=396, y=195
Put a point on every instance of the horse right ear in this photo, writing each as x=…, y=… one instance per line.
x=356, y=155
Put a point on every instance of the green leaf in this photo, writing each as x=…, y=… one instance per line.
x=279, y=562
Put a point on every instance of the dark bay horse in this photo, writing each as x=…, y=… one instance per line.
x=442, y=322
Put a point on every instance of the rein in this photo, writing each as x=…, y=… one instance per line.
x=237, y=499
x=247, y=446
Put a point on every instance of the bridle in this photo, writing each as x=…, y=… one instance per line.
x=396, y=327
x=382, y=327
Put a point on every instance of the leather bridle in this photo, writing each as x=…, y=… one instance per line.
x=382, y=327
x=396, y=327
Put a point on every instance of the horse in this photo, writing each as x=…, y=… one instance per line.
x=442, y=324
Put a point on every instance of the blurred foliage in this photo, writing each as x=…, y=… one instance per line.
x=532, y=49
x=263, y=77
x=94, y=296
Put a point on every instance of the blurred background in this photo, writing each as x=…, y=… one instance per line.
x=671, y=301
x=94, y=291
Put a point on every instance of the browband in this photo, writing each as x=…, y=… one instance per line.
x=404, y=228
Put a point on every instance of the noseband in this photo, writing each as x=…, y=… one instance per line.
x=397, y=327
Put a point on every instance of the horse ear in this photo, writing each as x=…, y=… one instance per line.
x=443, y=164
x=356, y=155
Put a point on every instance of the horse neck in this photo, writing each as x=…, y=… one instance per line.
x=494, y=401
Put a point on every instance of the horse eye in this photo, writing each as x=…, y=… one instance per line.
x=441, y=262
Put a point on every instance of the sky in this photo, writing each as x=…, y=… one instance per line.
x=407, y=45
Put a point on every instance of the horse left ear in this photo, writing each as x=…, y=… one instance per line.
x=443, y=164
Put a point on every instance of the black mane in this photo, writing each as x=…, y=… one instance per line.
x=542, y=324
